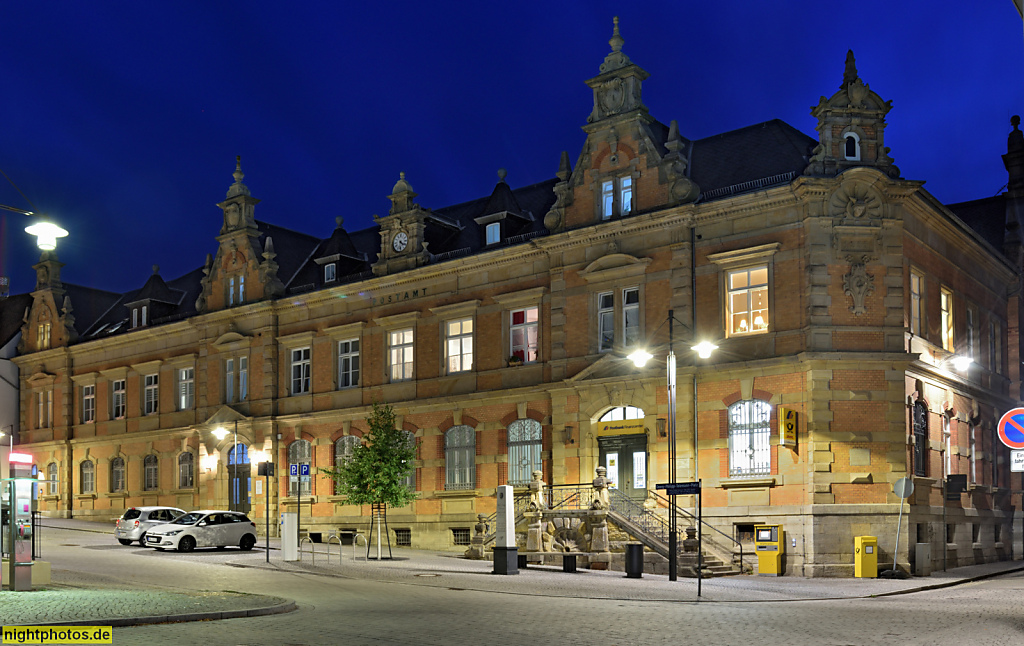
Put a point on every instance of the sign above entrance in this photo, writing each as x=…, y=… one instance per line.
x=621, y=427
x=1011, y=428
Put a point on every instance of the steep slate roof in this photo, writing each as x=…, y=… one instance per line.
x=986, y=216
x=12, y=313
x=156, y=289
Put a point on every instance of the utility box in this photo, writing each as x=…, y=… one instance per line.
x=922, y=559
x=289, y=536
x=769, y=545
x=865, y=557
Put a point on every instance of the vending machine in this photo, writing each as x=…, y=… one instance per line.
x=769, y=545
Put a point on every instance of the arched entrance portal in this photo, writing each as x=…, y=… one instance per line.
x=239, y=478
x=622, y=449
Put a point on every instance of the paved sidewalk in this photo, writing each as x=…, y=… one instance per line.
x=76, y=598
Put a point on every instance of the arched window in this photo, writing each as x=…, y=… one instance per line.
x=300, y=452
x=460, y=458
x=343, y=449
x=88, y=479
x=410, y=479
x=852, y=146
x=920, y=439
x=117, y=475
x=622, y=413
x=749, y=433
x=150, y=467
x=51, y=476
x=186, y=470
x=524, y=448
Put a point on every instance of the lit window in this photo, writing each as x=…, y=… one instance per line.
x=186, y=388
x=330, y=274
x=88, y=404
x=525, y=443
x=400, y=353
x=749, y=434
x=607, y=198
x=186, y=470
x=493, y=233
x=44, y=336
x=605, y=321
x=915, y=303
x=460, y=458
x=748, y=300
x=51, y=475
x=300, y=371
x=300, y=452
x=88, y=477
x=348, y=363
x=117, y=475
x=459, y=345
x=616, y=197
x=630, y=316
x=117, y=399
x=946, y=303
x=152, y=394
x=151, y=473
x=523, y=334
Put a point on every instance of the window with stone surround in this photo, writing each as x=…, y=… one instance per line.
x=87, y=471
x=300, y=452
x=186, y=470
x=117, y=475
x=749, y=438
x=400, y=354
x=525, y=443
x=151, y=473
x=460, y=458
x=747, y=300
x=946, y=306
x=89, y=404
x=459, y=345
x=151, y=388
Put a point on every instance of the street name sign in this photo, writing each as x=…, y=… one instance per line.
x=679, y=488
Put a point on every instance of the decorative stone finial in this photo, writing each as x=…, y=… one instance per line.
x=156, y=269
x=338, y=221
x=401, y=185
x=1015, y=142
x=850, y=73
x=502, y=173
x=238, y=188
x=564, y=167
x=616, y=41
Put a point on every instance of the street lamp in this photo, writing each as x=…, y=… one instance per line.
x=640, y=357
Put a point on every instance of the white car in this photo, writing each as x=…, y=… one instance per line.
x=135, y=522
x=207, y=528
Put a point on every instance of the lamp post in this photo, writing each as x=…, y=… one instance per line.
x=640, y=357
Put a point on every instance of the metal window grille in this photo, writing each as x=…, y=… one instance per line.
x=300, y=452
x=152, y=473
x=403, y=537
x=524, y=450
x=920, y=439
x=460, y=458
x=749, y=434
x=460, y=535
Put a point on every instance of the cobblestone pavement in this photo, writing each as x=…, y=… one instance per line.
x=429, y=598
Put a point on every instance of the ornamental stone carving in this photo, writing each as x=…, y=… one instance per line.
x=858, y=284
x=855, y=203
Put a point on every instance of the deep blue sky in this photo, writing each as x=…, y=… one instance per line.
x=123, y=119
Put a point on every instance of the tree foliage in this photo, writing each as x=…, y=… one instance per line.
x=379, y=466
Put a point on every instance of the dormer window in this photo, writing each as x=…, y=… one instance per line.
x=852, y=146
x=330, y=273
x=145, y=315
x=135, y=317
x=493, y=231
x=236, y=290
x=616, y=197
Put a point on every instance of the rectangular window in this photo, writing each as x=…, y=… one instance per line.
x=523, y=334
x=400, y=354
x=915, y=303
x=186, y=388
x=997, y=348
x=947, y=440
x=459, y=345
x=973, y=455
x=605, y=321
x=231, y=291
x=607, y=199
x=748, y=300
x=300, y=371
x=749, y=438
x=348, y=363
x=241, y=289
x=243, y=378
x=330, y=272
x=117, y=399
x=946, y=303
x=460, y=535
x=403, y=537
x=152, y=394
x=229, y=380
x=135, y=317
x=630, y=316
x=626, y=195
x=44, y=336
x=88, y=404
x=145, y=312
x=972, y=333
x=493, y=231
x=51, y=476
x=44, y=408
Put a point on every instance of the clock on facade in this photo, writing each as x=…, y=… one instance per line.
x=400, y=241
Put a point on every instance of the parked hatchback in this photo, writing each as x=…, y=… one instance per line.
x=208, y=528
x=135, y=522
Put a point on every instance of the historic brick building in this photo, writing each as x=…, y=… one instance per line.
x=498, y=329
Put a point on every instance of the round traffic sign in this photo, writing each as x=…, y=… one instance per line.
x=904, y=488
x=1011, y=428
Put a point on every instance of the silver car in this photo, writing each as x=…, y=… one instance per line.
x=207, y=528
x=135, y=522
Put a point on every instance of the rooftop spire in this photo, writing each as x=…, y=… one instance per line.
x=616, y=59
x=616, y=41
x=850, y=73
x=238, y=188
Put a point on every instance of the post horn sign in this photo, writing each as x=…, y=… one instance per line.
x=1011, y=428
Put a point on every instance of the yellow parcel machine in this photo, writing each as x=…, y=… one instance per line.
x=768, y=543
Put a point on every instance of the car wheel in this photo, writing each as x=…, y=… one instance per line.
x=124, y=541
x=247, y=542
x=142, y=539
x=186, y=544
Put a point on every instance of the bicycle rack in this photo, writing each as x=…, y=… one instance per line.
x=355, y=544
x=337, y=540
x=311, y=550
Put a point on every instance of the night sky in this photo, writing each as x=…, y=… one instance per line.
x=123, y=119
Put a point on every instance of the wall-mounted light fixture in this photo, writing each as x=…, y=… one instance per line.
x=661, y=427
x=568, y=435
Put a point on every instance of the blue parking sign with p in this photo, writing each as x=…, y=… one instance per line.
x=293, y=469
x=304, y=469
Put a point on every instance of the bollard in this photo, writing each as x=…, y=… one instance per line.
x=634, y=560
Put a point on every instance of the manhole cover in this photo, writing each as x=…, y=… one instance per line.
x=428, y=575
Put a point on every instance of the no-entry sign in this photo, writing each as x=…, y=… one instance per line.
x=1011, y=428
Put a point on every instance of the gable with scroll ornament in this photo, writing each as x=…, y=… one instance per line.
x=614, y=266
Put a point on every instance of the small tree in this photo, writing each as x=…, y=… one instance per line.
x=376, y=472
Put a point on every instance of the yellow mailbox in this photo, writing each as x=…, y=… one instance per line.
x=865, y=557
x=769, y=545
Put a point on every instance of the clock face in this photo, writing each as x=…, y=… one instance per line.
x=400, y=241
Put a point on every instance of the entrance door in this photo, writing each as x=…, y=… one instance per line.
x=239, y=479
x=625, y=457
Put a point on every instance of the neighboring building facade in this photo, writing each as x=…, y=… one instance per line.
x=497, y=329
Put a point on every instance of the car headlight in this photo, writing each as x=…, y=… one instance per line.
x=175, y=532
